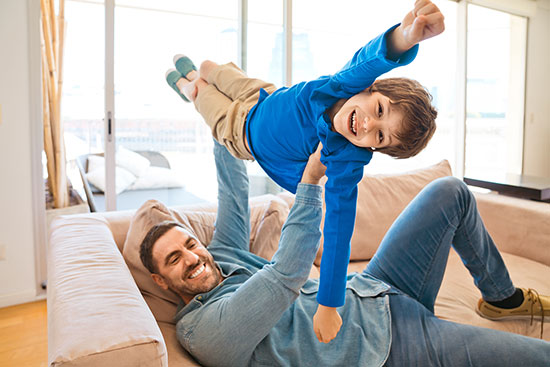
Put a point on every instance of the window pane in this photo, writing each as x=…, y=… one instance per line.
x=495, y=92
x=325, y=37
x=264, y=61
x=83, y=100
x=265, y=40
x=149, y=114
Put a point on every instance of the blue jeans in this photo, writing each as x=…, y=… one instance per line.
x=412, y=258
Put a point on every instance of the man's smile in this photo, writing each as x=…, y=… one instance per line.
x=198, y=271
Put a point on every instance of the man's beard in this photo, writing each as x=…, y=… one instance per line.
x=189, y=287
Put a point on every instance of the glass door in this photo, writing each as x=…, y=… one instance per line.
x=495, y=93
x=83, y=100
x=164, y=148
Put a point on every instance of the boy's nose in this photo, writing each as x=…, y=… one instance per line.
x=368, y=124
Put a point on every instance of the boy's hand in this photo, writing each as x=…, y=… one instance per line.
x=314, y=170
x=423, y=22
x=326, y=323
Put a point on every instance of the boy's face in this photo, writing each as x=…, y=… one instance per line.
x=368, y=120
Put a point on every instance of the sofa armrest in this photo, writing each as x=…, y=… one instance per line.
x=518, y=226
x=96, y=314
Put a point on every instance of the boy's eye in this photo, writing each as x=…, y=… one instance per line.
x=380, y=136
x=380, y=111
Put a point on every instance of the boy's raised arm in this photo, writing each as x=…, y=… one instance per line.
x=423, y=22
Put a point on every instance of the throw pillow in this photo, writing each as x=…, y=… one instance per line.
x=132, y=161
x=123, y=178
x=95, y=162
x=156, y=178
x=380, y=200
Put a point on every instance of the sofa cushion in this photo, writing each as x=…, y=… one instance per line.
x=163, y=303
x=380, y=199
x=267, y=215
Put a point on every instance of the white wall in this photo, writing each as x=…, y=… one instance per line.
x=536, y=156
x=18, y=282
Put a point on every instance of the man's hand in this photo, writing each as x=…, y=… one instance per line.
x=314, y=170
x=326, y=323
x=423, y=22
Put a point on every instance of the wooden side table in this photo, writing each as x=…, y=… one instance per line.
x=522, y=186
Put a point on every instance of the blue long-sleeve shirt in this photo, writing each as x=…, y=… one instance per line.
x=285, y=128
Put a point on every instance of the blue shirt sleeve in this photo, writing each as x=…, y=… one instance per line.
x=345, y=163
x=367, y=64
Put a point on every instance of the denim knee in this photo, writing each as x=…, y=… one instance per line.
x=449, y=188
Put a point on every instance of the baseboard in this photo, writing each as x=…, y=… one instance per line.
x=19, y=297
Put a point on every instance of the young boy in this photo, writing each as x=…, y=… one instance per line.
x=347, y=115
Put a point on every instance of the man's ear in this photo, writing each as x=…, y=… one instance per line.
x=160, y=281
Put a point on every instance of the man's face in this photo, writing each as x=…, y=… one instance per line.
x=368, y=120
x=185, y=265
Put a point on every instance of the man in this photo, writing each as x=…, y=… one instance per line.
x=239, y=309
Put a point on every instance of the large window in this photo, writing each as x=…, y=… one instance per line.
x=150, y=116
x=495, y=93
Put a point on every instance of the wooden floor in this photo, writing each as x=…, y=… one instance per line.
x=24, y=335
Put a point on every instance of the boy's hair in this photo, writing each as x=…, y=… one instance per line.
x=152, y=236
x=414, y=102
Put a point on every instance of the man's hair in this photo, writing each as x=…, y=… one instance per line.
x=414, y=102
x=152, y=236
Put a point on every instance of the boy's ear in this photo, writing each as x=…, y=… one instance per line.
x=160, y=281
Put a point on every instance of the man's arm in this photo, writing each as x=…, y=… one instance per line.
x=249, y=314
x=233, y=218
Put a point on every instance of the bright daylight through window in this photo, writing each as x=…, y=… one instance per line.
x=151, y=117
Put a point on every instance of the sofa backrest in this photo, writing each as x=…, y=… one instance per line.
x=518, y=226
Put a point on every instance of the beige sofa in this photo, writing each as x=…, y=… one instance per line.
x=97, y=315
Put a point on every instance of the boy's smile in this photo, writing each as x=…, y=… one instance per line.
x=368, y=120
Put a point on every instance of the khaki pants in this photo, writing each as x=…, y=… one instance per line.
x=224, y=105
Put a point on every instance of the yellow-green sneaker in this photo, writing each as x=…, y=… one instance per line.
x=534, y=307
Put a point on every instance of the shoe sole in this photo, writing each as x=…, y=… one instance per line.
x=515, y=317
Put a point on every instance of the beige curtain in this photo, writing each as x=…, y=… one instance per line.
x=52, y=31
